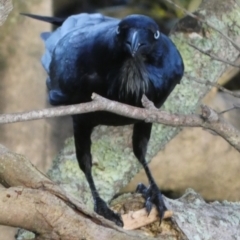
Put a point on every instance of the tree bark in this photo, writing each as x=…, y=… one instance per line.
x=35, y=203
x=5, y=9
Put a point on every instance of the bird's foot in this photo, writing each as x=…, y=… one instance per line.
x=152, y=196
x=101, y=208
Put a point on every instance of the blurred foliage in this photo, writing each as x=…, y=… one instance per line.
x=163, y=9
x=163, y=12
x=159, y=8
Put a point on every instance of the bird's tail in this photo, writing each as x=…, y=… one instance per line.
x=53, y=20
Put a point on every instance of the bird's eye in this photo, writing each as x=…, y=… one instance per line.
x=118, y=31
x=157, y=34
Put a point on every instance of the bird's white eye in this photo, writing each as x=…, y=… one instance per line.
x=157, y=34
x=118, y=31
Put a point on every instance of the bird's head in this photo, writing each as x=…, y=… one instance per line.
x=137, y=34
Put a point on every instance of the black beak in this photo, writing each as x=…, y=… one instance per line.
x=132, y=42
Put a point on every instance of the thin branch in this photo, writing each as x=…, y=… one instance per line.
x=237, y=106
x=220, y=126
x=236, y=1
x=220, y=87
x=228, y=110
x=50, y=112
x=203, y=21
x=213, y=56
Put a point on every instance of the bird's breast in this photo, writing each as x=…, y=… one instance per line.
x=131, y=81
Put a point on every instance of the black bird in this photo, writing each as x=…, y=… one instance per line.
x=117, y=59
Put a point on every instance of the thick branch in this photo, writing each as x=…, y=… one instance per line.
x=55, y=213
x=16, y=170
x=42, y=210
x=51, y=218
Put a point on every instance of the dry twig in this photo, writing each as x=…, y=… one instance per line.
x=213, y=56
x=218, y=86
x=220, y=126
x=204, y=21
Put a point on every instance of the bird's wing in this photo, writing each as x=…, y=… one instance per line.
x=168, y=62
x=72, y=50
x=83, y=24
x=166, y=69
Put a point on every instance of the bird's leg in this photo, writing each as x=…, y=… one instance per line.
x=82, y=137
x=152, y=194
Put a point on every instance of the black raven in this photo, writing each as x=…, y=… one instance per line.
x=120, y=60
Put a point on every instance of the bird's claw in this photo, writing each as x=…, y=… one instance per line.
x=101, y=208
x=148, y=205
x=152, y=196
x=141, y=188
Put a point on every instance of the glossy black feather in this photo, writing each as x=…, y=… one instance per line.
x=120, y=60
x=53, y=20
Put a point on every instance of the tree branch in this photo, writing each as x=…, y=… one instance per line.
x=206, y=120
x=46, y=210
x=55, y=214
x=214, y=56
x=200, y=19
x=218, y=86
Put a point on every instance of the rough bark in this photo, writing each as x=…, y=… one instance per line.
x=5, y=9
x=35, y=203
